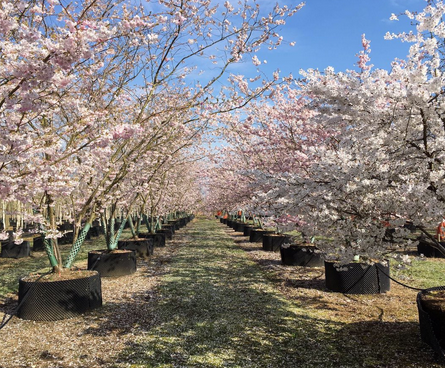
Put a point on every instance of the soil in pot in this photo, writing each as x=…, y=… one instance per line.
x=59, y=296
x=119, y=262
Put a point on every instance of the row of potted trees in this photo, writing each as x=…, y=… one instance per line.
x=354, y=160
x=353, y=278
x=105, y=115
x=66, y=296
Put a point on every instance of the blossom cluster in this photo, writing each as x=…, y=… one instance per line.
x=98, y=119
x=354, y=159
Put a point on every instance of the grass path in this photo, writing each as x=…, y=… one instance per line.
x=216, y=309
x=211, y=299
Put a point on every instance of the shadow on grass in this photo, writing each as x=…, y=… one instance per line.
x=315, y=283
x=217, y=309
x=389, y=344
x=249, y=247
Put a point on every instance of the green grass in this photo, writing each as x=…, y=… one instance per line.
x=217, y=308
x=422, y=273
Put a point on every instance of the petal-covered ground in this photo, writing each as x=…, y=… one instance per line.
x=212, y=299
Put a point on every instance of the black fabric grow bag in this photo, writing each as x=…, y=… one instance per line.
x=54, y=300
x=357, y=278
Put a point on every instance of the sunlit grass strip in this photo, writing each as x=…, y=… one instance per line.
x=422, y=273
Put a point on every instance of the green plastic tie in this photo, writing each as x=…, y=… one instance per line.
x=77, y=245
x=50, y=253
x=130, y=222
x=115, y=239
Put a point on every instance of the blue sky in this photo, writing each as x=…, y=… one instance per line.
x=328, y=33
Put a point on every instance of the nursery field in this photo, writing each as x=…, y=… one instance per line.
x=212, y=299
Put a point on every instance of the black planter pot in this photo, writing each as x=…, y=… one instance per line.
x=182, y=222
x=300, y=255
x=142, y=247
x=427, y=250
x=54, y=300
x=120, y=263
x=239, y=227
x=118, y=224
x=67, y=238
x=170, y=228
x=221, y=220
x=68, y=230
x=66, y=226
x=432, y=323
x=357, y=278
x=248, y=230
x=37, y=244
x=256, y=235
x=273, y=242
x=167, y=233
x=158, y=238
x=13, y=224
x=95, y=231
x=12, y=250
x=229, y=223
x=175, y=224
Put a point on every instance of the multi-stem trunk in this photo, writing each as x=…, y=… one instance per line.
x=79, y=238
x=112, y=237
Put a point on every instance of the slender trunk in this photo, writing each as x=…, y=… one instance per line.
x=147, y=224
x=133, y=230
x=158, y=224
x=79, y=240
x=49, y=252
x=138, y=225
x=110, y=231
x=105, y=229
x=51, y=245
x=152, y=224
